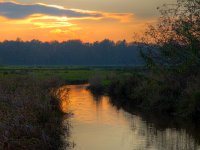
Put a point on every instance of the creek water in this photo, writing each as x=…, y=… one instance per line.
x=96, y=124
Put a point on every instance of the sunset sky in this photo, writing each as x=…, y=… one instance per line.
x=87, y=20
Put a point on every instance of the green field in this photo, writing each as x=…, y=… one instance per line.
x=71, y=74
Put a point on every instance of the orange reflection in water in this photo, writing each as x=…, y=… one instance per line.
x=86, y=107
x=97, y=125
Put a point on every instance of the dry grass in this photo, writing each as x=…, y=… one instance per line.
x=30, y=117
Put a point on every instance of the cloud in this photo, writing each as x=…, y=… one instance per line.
x=122, y=17
x=14, y=10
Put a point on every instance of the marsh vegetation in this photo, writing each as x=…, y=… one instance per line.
x=30, y=114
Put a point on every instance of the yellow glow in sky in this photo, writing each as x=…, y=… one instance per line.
x=51, y=20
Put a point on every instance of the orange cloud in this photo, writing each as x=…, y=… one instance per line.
x=47, y=27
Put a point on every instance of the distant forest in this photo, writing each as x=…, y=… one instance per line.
x=72, y=52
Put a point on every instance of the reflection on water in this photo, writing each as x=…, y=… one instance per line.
x=97, y=125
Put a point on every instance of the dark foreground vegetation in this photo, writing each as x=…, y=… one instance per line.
x=172, y=83
x=30, y=115
x=172, y=94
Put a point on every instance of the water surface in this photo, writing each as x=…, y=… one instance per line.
x=98, y=125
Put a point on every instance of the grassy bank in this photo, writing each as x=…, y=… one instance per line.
x=29, y=113
x=172, y=93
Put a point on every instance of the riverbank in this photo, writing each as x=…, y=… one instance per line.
x=170, y=93
x=30, y=114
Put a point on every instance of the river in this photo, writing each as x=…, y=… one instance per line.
x=98, y=125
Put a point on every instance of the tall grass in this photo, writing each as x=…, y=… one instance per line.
x=30, y=117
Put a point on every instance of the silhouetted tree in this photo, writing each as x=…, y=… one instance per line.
x=176, y=35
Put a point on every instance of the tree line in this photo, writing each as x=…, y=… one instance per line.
x=72, y=52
